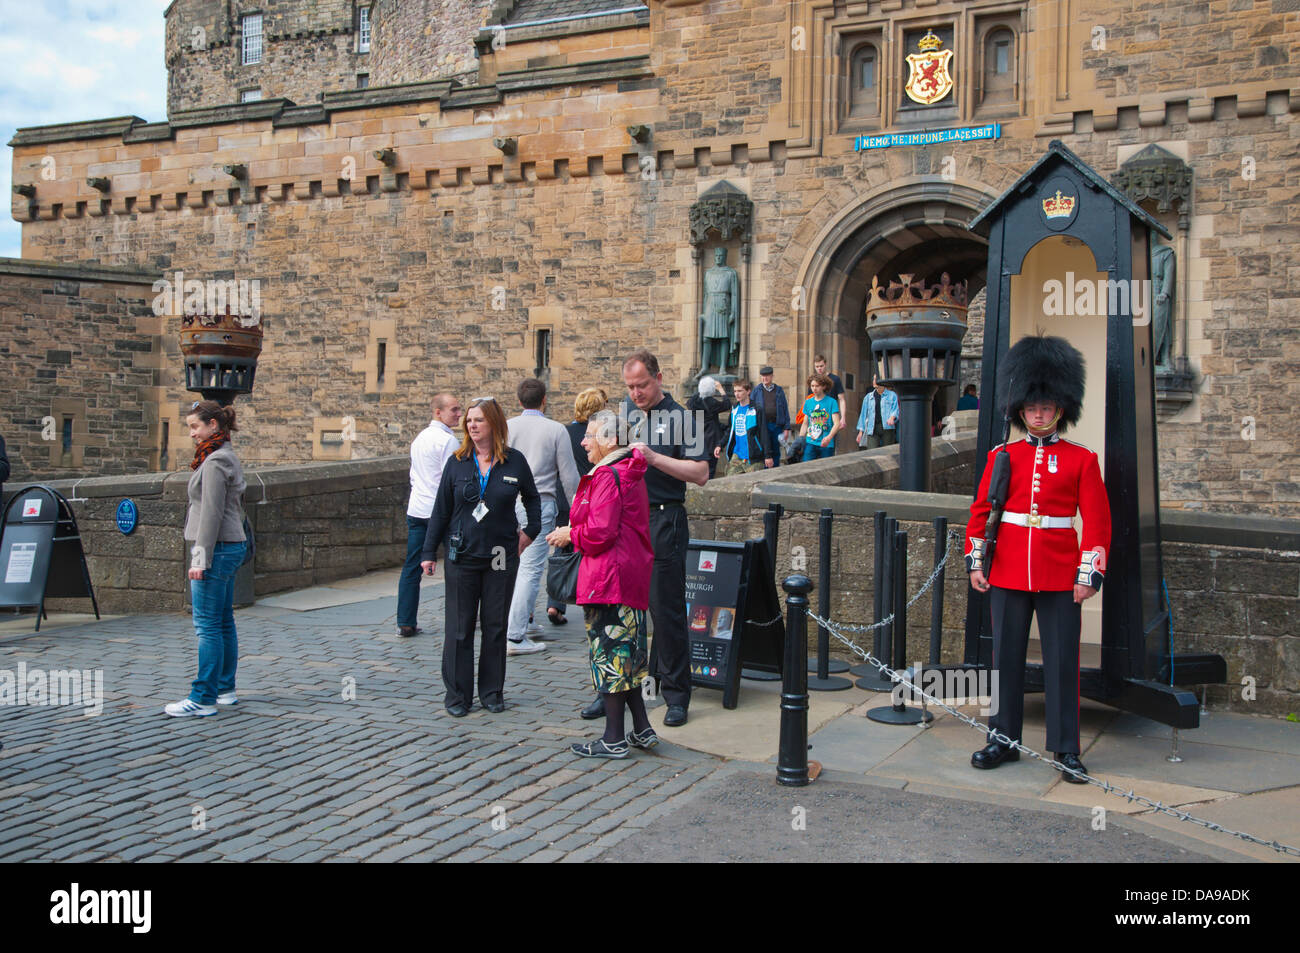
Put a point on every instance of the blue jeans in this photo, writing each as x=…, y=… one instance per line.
x=213, y=601
x=815, y=451
x=408, y=587
x=532, y=563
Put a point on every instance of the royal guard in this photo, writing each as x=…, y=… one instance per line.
x=1031, y=560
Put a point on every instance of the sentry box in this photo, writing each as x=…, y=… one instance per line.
x=1071, y=255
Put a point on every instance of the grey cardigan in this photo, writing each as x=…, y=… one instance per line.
x=215, y=514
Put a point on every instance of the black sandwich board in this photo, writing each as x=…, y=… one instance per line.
x=733, y=614
x=40, y=552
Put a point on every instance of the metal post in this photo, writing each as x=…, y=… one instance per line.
x=898, y=713
x=870, y=678
x=771, y=534
x=823, y=682
x=914, y=402
x=792, y=760
x=940, y=524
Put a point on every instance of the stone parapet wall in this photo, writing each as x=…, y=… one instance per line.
x=1240, y=601
x=313, y=523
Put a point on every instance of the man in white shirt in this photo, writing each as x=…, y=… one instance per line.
x=429, y=453
x=546, y=446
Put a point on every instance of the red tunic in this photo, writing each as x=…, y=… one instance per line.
x=1053, y=479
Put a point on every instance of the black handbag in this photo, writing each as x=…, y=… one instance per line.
x=562, y=574
x=562, y=566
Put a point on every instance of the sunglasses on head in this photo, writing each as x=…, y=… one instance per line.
x=482, y=400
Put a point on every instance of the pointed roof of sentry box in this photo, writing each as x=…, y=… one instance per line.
x=1056, y=154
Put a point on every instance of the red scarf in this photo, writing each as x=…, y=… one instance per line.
x=207, y=447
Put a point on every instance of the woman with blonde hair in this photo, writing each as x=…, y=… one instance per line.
x=214, y=523
x=474, y=518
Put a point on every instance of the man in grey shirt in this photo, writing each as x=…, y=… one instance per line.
x=546, y=446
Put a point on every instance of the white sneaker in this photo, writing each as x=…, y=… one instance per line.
x=186, y=707
x=524, y=646
x=532, y=629
x=227, y=698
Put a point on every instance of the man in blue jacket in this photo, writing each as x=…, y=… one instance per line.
x=878, y=422
x=769, y=400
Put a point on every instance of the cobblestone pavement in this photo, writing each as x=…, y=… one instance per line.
x=295, y=771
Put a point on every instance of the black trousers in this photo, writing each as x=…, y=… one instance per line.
x=1058, y=629
x=670, y=648
x=476, y=594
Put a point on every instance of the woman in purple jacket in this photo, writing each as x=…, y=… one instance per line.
x=609, y=524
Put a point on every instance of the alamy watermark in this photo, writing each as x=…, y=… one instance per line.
x=191, y=296
x=977, y=686
x=1098, y=297
x=61, y=687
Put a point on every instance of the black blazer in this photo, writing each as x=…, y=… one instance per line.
x=458, y=496
x=765, y=448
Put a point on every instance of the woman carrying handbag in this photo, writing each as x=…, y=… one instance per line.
x=610, y=528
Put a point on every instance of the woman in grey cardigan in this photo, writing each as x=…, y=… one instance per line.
x=214, y=523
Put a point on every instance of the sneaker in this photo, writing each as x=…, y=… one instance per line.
x=646, y=739
x=600, y=748
x=227, y=698
x=524, y=646
x=186, y=707
x=533, y=629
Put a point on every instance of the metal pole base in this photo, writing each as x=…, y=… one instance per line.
x=1173, y=757
x=871, y=680
x=754, y=675
x=831, y=684
x=889, y=715
x=834, y=666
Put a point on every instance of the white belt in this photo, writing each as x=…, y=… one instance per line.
x=1038, y=522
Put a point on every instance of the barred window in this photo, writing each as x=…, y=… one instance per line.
x=251, y=27
x=250, y=95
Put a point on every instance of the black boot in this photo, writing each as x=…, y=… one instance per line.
x=595, y=710
x=1072, y=762
x=993, y=754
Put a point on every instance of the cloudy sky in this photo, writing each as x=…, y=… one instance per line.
x=72, y=60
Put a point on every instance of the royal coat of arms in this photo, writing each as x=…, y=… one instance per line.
x=929, y=79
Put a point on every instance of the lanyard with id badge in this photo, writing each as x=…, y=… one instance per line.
x=481, y=510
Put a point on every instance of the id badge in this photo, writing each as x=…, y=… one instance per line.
x=480, y=511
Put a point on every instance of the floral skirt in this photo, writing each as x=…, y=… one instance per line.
x=617, y=638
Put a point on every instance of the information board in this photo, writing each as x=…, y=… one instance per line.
x=40, y=552
x=726, y=582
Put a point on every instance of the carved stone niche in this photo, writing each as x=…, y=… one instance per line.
x=1157, y=175
x=727, y=210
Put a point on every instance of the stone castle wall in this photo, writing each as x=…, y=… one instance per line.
x=418, y=40
x=456, y=256
x=81, y=344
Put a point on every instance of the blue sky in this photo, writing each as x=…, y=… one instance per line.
x=71, y=60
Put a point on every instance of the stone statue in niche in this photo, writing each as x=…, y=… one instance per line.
x=720, y=322
x=1163, y=275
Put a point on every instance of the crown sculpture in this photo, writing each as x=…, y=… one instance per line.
x=916, y=331
x=1058, y=206
x=929, y=42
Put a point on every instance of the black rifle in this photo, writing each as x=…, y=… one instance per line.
x=999, y=489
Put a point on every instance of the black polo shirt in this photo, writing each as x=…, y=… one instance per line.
x=670, y=429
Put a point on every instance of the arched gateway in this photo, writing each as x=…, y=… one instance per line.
x=916, y=227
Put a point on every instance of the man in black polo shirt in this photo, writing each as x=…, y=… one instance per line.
x=673, y=446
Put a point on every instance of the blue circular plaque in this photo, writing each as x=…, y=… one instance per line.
x=127, y=516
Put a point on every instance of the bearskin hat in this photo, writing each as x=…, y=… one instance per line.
x=1042, y=368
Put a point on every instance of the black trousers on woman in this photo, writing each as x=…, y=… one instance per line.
x=477, y=594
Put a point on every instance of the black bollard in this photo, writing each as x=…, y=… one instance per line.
x=898, y=713
x=940, y=524
x=771, y=534
x=870, y=678
x=792, y=760
x=823, y=681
